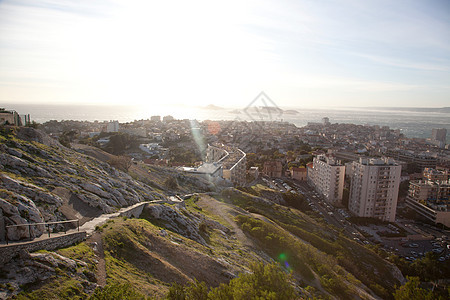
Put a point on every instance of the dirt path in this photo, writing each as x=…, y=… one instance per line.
x=96, y=240
x=224, y=211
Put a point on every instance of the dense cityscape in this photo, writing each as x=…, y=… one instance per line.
x=371, y=183
x=329, y=157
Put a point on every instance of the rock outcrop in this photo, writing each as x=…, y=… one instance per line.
x=173, y=219
x=34, y=167
x=30, y=269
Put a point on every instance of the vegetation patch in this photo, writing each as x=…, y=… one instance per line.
x=265, y=282
x=81, y=252
x=297, y=256
x=58, y=287
x=356, y=259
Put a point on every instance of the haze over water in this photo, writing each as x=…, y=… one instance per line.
x=413, y=123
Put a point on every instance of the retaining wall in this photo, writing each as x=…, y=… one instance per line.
x=10, y=251
x=135, y=211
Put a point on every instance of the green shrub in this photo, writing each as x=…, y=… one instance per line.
x=116, y=291
x=265, y=282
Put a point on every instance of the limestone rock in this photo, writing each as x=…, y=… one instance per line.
x=95, y=188
x=34, y=268
x=14, y=152
x=175, y=221
x=12, y=161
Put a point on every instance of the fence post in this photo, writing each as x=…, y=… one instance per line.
x=78, y=223
x=48, y=229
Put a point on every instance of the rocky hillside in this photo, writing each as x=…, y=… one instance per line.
x=211, y=237
x=43, y=181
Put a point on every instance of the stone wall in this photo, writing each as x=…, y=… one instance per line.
x=2, y=226
x=134, y=211
x=7, y=252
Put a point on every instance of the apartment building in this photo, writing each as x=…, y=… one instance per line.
x=112, y=126
x=435, y=175
x=374, y=188
x=326, y=175
x=299, y=173
x=233, y=161
x=422, y=159
x=430, y=198
x=439, y=134
x=11, y=117
x=273, y=168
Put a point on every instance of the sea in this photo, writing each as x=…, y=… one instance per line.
x=412, y=122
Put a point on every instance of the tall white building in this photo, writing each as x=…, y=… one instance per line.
x=439, y=134
x=233, y=160
x=327, y=176
x=438, y=137
x=374, y=188
x=112, y=126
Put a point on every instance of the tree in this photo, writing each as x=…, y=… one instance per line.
x=116, y=144
x=67, y=137
x=122, y=163
x=33, y=124
x=297, y=201
x=120, y=142
x=265, y=282
x=411, y=291
x=116, y=291
x=171, y=183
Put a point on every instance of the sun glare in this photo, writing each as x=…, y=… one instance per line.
x=171, y=54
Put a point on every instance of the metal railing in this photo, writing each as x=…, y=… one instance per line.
x=36, y=224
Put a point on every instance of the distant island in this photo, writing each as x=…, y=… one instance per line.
x=274, y=109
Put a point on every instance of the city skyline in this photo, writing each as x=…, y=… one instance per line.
x=376, y=53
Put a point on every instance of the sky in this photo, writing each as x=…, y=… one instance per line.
x=301, y=53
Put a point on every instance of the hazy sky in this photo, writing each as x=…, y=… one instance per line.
x=301, y=53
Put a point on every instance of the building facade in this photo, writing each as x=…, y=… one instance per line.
x=430, y=198
x=439, y=134
x=422, y=160
x=298, y=174
x=10, y=117
x=112, y=126
x=233, y=161
x=327, y=177
x=435, y=175
x=374, y=188
x=209, y=171
x=215, y=153
x=273, y=168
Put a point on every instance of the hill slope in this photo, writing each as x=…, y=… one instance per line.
x=210, y=237
x=43, y=181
